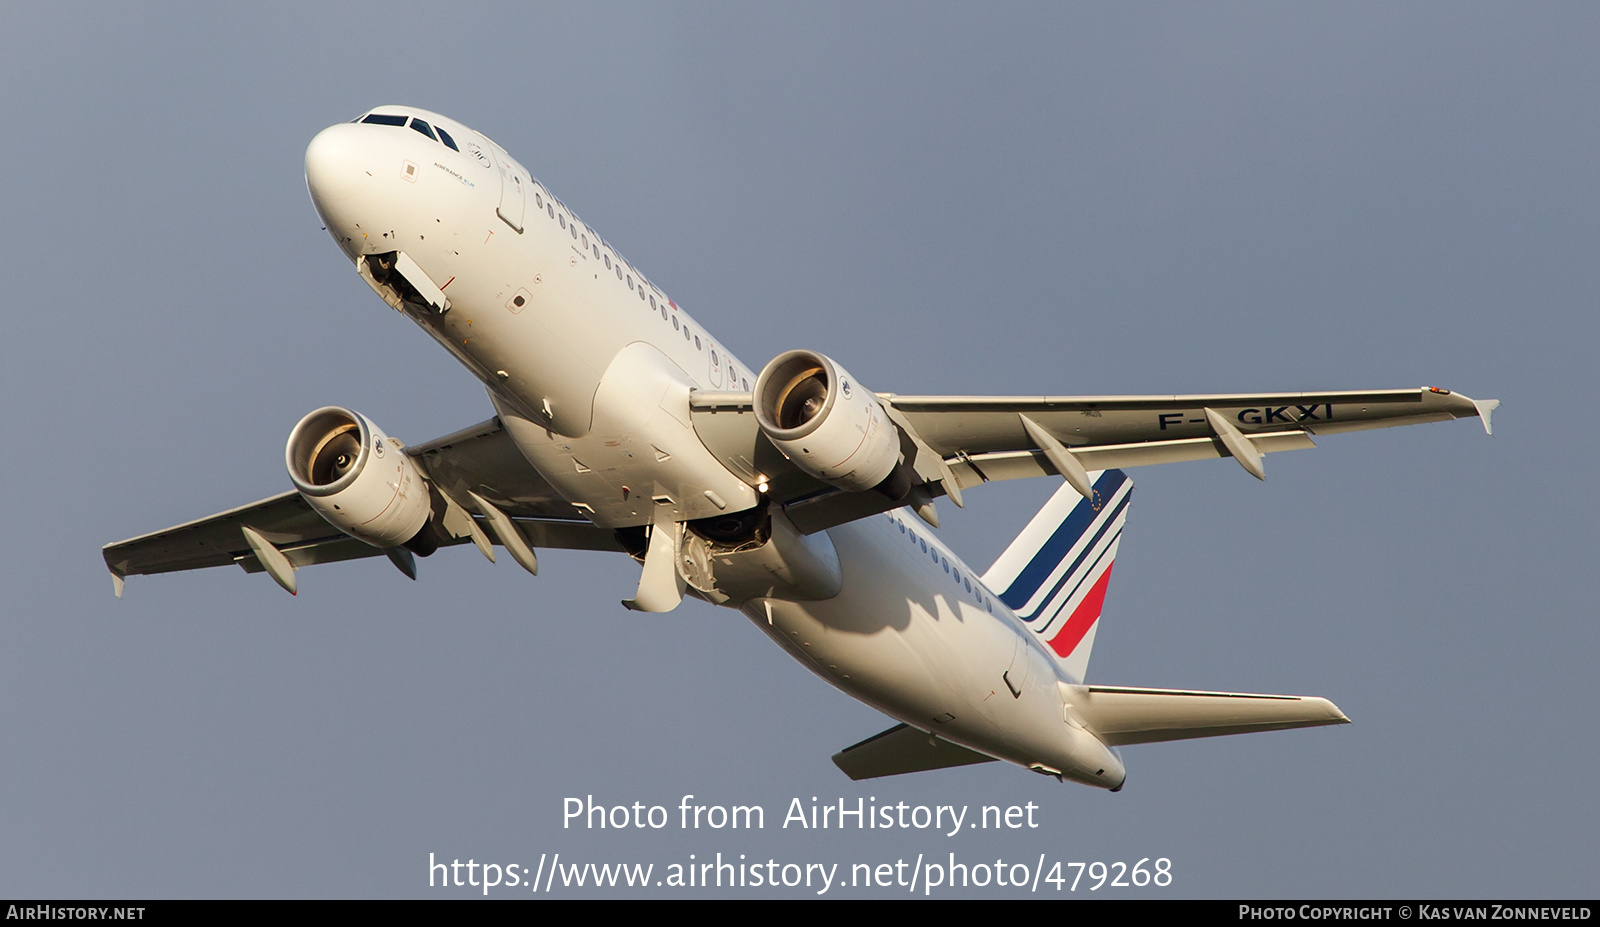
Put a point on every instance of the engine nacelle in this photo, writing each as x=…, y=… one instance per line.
x=357, y=477
x=826, y=423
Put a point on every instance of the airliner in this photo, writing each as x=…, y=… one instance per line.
x=793, y=493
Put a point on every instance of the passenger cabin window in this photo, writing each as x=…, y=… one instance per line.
x=423, y=127
x=538, y=200
x=383, y=119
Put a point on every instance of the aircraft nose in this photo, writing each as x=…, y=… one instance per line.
x=336, y=163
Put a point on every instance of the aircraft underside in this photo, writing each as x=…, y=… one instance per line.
x=794, y=493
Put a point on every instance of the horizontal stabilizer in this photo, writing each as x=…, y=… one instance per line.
x=1120, y=715
x=903, y=749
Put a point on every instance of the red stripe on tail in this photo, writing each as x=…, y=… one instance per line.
x=1083, y=617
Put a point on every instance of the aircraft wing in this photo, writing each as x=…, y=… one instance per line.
x=957, y=442
x=480, y=460
x=483, y=459
x=985, y=438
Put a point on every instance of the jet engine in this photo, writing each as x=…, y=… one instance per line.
x=357, y=477
x=827, y=424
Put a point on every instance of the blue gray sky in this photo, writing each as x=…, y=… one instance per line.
x=1015, y=199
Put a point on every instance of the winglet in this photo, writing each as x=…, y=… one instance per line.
x=117, y=582
x=1486, y=406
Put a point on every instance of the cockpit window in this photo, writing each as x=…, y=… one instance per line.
x=385, y=119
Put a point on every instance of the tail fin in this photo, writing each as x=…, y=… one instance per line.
x=1054, y=574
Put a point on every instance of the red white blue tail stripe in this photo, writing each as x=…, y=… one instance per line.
x=1054, y=574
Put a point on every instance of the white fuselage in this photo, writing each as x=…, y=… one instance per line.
x=590, y=367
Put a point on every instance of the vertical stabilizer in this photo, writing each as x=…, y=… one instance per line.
x=1054, y=575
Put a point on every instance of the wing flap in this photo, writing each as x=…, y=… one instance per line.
x=974, y=469
x=330, y=551
x=1339, y=428
x=903, y=749
x=1120, y=715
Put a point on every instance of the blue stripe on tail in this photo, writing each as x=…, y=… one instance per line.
x=1053, y=551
